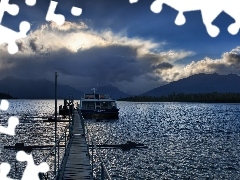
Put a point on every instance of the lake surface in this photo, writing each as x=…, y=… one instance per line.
x=185, y=140
x=30, y=131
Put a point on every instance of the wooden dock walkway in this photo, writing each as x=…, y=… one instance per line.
x=78, y=164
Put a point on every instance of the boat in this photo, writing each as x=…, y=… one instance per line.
x=98, y=106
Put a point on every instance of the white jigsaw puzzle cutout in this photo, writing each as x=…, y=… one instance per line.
x=31, y=171
x=76, y=11
x=4, y=105
x=51, y=16
x=59, y=19
x=210, y=9
x=4, y=170
x=13, y=121
x=10, y=130
x=30, y=2
x=7, y=35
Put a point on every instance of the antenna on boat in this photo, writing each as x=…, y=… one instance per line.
x=93, y=89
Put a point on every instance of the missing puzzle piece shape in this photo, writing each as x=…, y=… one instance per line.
x=4, y=105
x=210, y=10
x=133, y=1
x=59, y=18
x=9, y=36
x=76, y=11
x=4, y=170
x=30, y=2
x=12, y=9
x=12, y=123
x=31, y=169
x=51, y=16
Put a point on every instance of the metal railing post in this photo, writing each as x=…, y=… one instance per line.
x=65, y=136
x=58, y=153
x=92, y=158
x=55, y=154
x=70, y=123
x=41, y=176
x=102, y=172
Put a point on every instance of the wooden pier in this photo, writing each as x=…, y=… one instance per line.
x=78, y=162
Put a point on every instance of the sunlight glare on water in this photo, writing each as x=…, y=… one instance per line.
x=185, y=141
x=30, y=131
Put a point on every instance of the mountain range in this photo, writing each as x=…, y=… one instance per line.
x=199, y=83
x=44, y=89
x=36, y=89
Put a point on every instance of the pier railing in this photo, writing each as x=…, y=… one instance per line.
x=60, y=162
x=63, y=144
x=104, y=171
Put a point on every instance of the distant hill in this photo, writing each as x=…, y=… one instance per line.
x=36, y=89
x=199, y=83
x=6, y=96
x=112, y=91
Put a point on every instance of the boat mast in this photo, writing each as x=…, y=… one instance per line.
x=93, y=89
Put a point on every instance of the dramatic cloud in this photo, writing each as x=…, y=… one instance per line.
x=228, y=63
x=84, y=57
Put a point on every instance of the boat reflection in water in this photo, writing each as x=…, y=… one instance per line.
x=98, y=106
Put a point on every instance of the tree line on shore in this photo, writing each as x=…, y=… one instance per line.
x=214, y=97
x=6, y=96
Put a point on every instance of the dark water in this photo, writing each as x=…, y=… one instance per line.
x=185, y=140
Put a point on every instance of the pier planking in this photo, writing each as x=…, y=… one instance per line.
x=78, y=163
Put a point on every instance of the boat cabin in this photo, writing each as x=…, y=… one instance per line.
x=97, y=101
x=98, y=106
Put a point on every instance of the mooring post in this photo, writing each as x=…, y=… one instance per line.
x=83, y=124
x=55, y=153
x=70, y=124
x=102, y=172
x=40, y=176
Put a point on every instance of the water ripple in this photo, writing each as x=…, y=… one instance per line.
x=185, y=141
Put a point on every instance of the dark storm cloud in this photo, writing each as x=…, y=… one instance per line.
x=101, y=64
x=136, y=20
x=80, y=54
x=33, y=45
x=232, y=58
x=218, y=67
x=20, y=46
x=164, y=65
